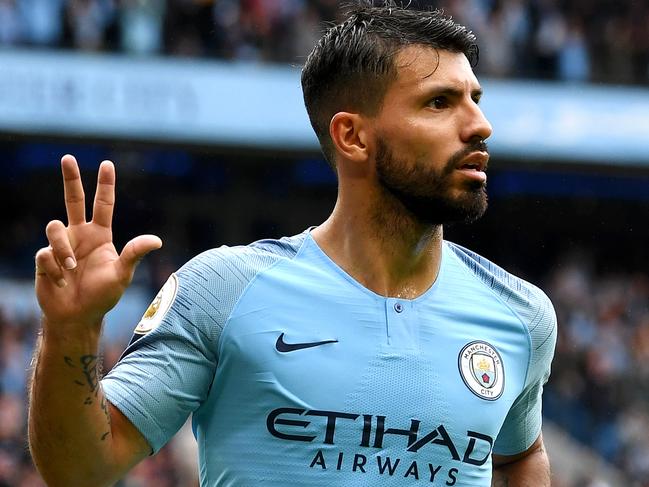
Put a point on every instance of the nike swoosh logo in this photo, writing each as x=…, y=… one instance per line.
x=284, y=347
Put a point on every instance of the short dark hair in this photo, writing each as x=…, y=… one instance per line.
x=352, y=65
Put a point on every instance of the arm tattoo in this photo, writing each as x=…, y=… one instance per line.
x=90, y=369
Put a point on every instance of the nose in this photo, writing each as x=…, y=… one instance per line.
x=476, y=124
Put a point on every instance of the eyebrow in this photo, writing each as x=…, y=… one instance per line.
x=452, y=91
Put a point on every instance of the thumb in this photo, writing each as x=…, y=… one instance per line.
x=135, y=250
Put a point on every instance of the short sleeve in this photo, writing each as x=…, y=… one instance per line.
x=522, y=426
x=167, y=370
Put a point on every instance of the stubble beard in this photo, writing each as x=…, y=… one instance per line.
x=425, y=192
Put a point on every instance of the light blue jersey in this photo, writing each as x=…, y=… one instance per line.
x=298, y=375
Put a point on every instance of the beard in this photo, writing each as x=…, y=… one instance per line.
x=428, y=192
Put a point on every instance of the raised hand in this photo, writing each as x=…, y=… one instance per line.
x=80, y=276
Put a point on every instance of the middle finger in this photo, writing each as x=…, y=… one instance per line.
x=102, y=212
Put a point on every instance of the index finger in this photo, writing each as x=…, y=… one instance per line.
x=75, y=202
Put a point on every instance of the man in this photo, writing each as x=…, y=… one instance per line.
x=366, y=351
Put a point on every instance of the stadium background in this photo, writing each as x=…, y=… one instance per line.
x=567, y=89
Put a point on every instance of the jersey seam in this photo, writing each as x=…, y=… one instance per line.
x=245, y=291
x=528, y=335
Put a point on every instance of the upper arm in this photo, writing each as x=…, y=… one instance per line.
x=502, y=460
x=129, y=446
x=522, y=426
x=528, y=468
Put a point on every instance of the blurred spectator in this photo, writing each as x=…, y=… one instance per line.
x=12, y=417
x=14, y=353
x=260, y=30
x=88, y=21
x=308, y=29
x=549, y=38
x=574, y=59
x=189, y=30
x=41, y=25
x=141, y=25
x=619, y=50
x=639, y=20
x=11, y=26
x=497, y=46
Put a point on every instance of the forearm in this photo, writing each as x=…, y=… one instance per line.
x=69, y=420
x=532, y=470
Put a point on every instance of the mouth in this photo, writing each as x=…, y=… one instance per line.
x=475, y=161
x=474, y=166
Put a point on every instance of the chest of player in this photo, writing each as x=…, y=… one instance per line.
x=325, y=365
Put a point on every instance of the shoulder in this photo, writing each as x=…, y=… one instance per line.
x=530, y=303
x=239, y=264
x=509, y=287
x=202, y=293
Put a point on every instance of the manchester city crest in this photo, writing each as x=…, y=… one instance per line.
x=481, y=368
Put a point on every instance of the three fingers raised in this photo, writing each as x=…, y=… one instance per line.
x=59, y=256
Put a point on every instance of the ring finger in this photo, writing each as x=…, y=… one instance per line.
x=46, y=266
x=57, y=235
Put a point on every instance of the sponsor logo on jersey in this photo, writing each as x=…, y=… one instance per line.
x=159, y=306
x=283, y=347
x=481, y=368
x=386, y=451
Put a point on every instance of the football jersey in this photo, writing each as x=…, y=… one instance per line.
x=296, y=374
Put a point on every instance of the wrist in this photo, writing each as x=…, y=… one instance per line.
x=76, y=335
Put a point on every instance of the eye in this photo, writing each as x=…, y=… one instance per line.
x=476, y=99
x=439, y=102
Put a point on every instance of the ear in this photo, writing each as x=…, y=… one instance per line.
x=349, y=134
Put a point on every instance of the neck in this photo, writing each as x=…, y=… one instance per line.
x=382, y=246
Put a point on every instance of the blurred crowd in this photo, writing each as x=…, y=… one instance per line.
x=598, y=391
x=571, y=40
x=174, y=466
